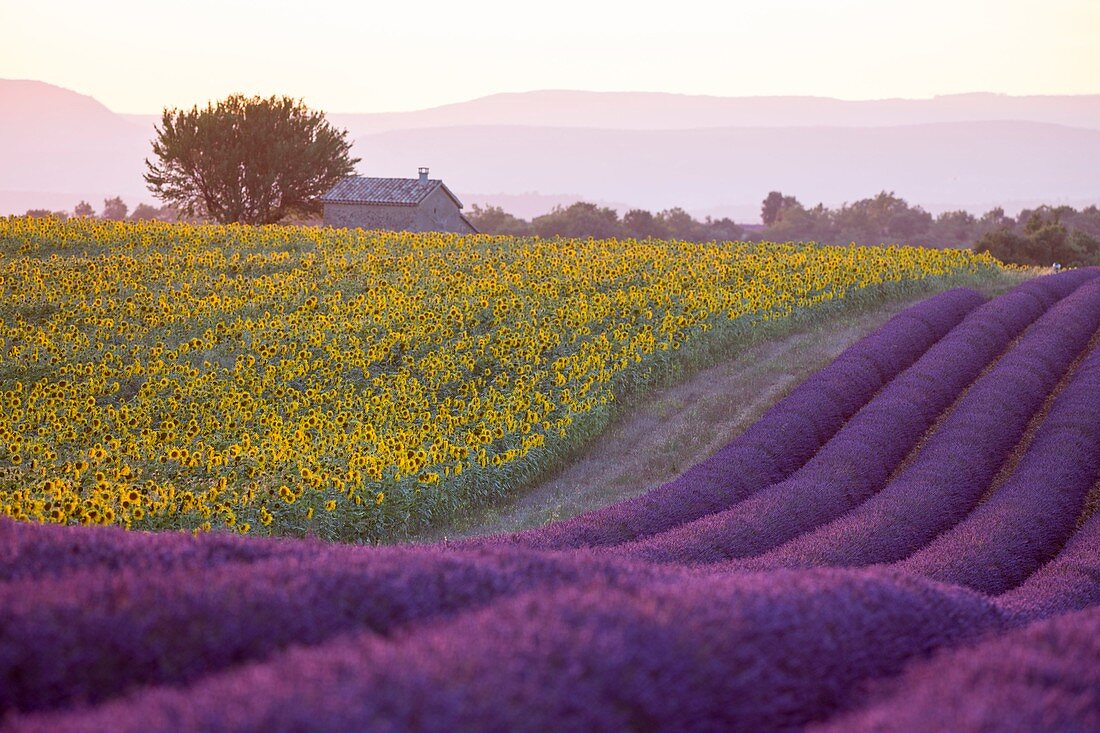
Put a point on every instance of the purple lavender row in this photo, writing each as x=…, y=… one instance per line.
x=860, y=458
x=1028, y=519
x=963, y=456
x=777, y=444
x=1069, y=582
x=91, y=634
x=32, y=551
x=1042, y=679
x=762, y=611
x=739, y=651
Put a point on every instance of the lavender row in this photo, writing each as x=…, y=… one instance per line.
x=1042, y=679
x=960, y=460
x=92, y=634
x=97, y=634
x=31, y=551
x=860, y=458
x=1069, y=582
x=1029, y=518
x=778, y=443
x=750, y=652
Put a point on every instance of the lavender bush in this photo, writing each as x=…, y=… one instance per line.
x=863, y=454
x=964, y=454
x=1029, y=518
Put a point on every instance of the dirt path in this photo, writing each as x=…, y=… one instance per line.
x=676, y=427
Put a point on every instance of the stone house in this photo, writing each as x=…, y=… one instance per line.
x=398, y=204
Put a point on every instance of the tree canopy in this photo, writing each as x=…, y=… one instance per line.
x=115, y=209
x=247, y=159
x=773, y=207
x=1039, y=236
x=1044, y=240
x=583, y=219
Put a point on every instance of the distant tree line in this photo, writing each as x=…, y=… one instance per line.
x=1040, y=236
x=115, y=209
x=583, y=219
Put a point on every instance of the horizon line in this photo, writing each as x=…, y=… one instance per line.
x=601, y=92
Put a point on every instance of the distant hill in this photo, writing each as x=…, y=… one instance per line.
x=967, y=164
x=713, y=155
x=658, y=111
x=58, y=146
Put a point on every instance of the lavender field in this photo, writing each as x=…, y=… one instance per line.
x=907, y=541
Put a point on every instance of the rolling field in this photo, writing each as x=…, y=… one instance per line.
x=359, y=386
x=906, y=541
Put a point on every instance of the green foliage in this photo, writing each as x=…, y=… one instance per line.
x=247, y=159
x=1037, y=237
x=643, y=224
x=495, y=220
x=147, y=212
x=43, y=213
x=590, y=220
x=1007, y=246
x=774, y=206
x=1044, y=240
x=115, y=209
x=579, y=220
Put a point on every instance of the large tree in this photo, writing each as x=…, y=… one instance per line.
x=247, y=159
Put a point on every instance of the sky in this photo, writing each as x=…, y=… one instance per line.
x=367, y=56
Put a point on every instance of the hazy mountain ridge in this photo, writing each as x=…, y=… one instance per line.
x=715, y=155
x=970, y=164
x=659, y=110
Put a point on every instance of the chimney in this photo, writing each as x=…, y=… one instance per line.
x=423, y=174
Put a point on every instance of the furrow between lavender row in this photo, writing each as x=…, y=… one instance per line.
x=860, y=458
x=963, y=456
x=1033, y=513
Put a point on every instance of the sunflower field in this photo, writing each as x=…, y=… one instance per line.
x=345, y=384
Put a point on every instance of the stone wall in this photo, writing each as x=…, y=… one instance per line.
x=436, y=213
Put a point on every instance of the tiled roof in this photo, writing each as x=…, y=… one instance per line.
x=385, y=191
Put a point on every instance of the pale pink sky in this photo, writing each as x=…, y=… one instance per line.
x=139, y=56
